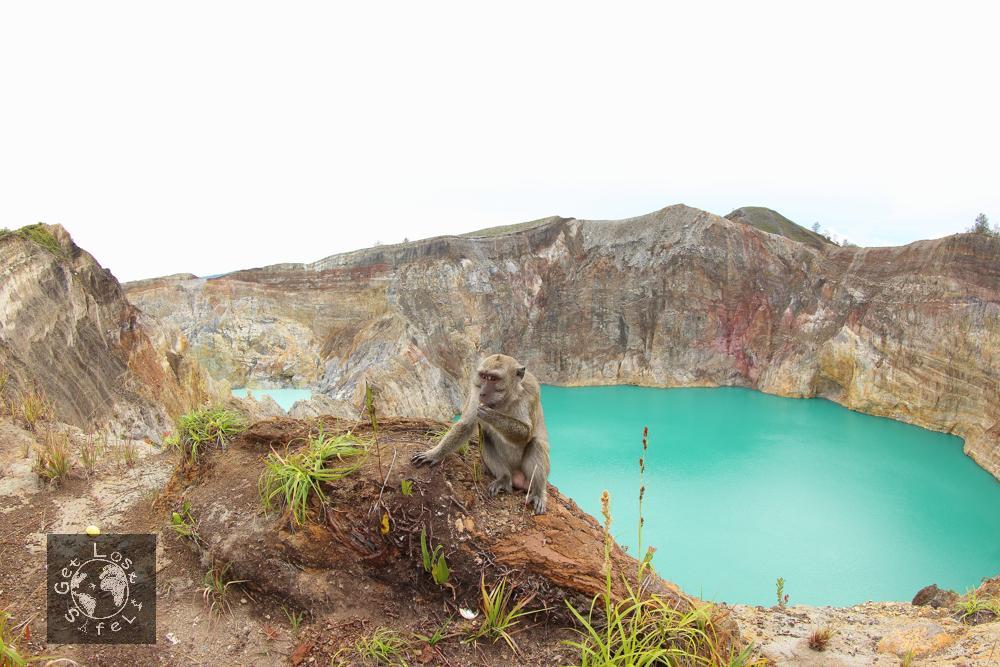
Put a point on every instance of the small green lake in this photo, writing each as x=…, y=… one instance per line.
x=743, y=488
x=284, y=397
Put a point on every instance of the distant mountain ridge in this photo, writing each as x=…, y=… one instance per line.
x=68, y=331
x=773, y=222
x=677, y=297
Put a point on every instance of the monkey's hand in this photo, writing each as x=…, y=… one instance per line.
x=537, y=501
x=500, y=485
x=431, y=457
x=509, y=427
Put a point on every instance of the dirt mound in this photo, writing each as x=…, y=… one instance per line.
x=363, y=546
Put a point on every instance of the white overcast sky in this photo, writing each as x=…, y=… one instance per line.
x=211, y=136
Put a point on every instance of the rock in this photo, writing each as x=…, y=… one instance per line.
x=68, y=330
x=920, y=639
x=932, y=596
x=255, y=407
x=678, y=297
x=320, y=405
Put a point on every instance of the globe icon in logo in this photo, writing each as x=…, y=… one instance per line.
x=99, y=588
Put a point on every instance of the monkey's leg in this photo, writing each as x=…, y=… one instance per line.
x=456, y=436
x=498, y=466
x=535, y=465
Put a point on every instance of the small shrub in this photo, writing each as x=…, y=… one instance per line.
x=128, y=453
x=34, y=408
x=780, y=588
x=434, y=561
x=499, y=615
x=406, y=487
x=202, y=428
x=820, y=639
x=290, y=481
x=906, y=660
x=40, y=235
x=53, y=461
x=215, y=591
x=90, y=454
x=384, y=646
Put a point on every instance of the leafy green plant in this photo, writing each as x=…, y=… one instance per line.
x=434, y=561
x=782, y=596
x=499, y=614
x=215, y=591
x=384, y=646
x=406, y=487
x=290, y=481
x=202, y=428
x=182, y=522
x=52, y=460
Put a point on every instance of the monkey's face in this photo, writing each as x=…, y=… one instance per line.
x=498, y=380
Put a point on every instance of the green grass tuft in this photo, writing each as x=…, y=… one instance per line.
x=499, y=615
x=972, y=605
x=383, y=647
x=215, y=591
x=289, y=481
x=53, y=460
x=294, y=619
x=203, y=428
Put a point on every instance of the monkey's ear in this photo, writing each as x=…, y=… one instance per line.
x=520, y=371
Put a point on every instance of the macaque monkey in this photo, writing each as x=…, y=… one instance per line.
x=505, y=401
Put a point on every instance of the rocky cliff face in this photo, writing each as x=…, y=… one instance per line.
x=67, y=329
x=679, y=297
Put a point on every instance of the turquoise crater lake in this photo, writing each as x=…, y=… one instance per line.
x=286, y=398
x=743, y=488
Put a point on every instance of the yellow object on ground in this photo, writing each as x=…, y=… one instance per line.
x=93, y=531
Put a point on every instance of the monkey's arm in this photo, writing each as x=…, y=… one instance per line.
x=457, y=435
x=511, y=428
